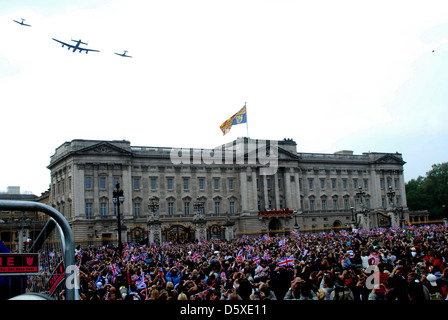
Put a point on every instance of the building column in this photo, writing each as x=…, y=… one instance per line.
x=243, y=189
x=288, y=197
x=265, y=192
x=254, y=189
x=276, y=191
x=402, y=190
x=297, y=194
x=79, y=201
x=375, y=191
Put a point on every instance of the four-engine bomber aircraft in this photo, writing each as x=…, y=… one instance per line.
x=22, y=23
x=123, y=54
x=76, y=46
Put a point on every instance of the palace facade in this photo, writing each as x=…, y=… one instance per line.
x=246, y=187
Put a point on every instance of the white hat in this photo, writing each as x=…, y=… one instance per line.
x=432, y=280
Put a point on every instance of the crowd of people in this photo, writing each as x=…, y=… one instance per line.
x=381, y=264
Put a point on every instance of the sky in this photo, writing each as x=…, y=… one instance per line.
x=367, y=76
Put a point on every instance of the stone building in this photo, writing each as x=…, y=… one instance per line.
x=247, y=186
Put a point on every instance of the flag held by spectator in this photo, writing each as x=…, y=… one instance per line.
x=286, y=262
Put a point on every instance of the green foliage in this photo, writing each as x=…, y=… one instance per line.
x=430, y=192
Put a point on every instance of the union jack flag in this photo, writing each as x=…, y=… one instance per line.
x=140, y=282
x=115, y=269
x=223, y=276
x=239, y=256
x=288, y=261
x=257, y=259
x=196, y=256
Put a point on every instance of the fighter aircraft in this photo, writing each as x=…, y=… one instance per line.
x=23, y=24
x=76, y=46
x=123, y=54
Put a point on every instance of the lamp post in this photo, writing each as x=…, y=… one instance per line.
x=397, y=212
x=363, y=210
x=296, y=225
x=445, y=215
x=118, y=198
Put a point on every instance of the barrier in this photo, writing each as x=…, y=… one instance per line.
x=67, y=250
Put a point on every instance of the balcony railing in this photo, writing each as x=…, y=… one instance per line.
x=274, y=213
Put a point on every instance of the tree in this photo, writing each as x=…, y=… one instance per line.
x=429, y=193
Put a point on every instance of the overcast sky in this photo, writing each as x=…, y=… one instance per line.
x=332, y=75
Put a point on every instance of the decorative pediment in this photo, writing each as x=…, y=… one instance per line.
x=105, y=148
x=389, y=159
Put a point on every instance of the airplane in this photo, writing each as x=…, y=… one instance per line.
x=23, y=24
x=76, y=46
x=123, y=54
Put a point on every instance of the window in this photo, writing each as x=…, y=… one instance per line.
x=116, y=181
x=322, y=184
x=366, y=184
x=335, y=204
x=310, y=184
x=137, y=209
x=171, y=208
x=356, y=204
x=153, y=183
x=102, y=183
x=216, y=183
x=382, y=183
x=355, y=183
x=169, y=183
x=346, y=204
x=136, y=183
x=344, y=184
x=187, y=208
x=324, y=204
x=88, y=210
x=88, y=183
x=311, y=205
x=201, y=183
x=231, y=184
x=103, y=209
x=185, y=184
x=217, y=207
x=268, y=182
x=333, y=184
x=232, y=206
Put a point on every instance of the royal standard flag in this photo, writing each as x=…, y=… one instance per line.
x=237, y=118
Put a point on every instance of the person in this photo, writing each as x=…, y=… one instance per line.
x=378, y=293
x=435, y=292
x=416, y=291
x=306, y=292
x=173, y=275
x=341, y=291
x=293, y=292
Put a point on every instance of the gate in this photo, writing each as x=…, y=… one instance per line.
x=54, y=249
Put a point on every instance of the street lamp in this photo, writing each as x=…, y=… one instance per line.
x=363, y=210
x=118, y=198
x=391, y=195
x=296, y=225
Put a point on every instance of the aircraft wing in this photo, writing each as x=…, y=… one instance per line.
x=63, y=43
x=123, y=55
x=23, y=24
x=86, y=50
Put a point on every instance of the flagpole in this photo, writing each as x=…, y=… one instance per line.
x=247, y=122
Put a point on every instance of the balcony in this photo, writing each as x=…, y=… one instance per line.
x=276, y=213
